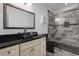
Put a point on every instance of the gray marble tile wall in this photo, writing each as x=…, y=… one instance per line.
x=68, y=34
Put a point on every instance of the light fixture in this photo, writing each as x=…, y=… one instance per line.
x=28, y=4
x=66, y=3
x=57, y=19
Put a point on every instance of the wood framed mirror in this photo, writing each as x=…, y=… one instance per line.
x=17, y=18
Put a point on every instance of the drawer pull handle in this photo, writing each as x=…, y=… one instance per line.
x=32, y=49
x=9, y=52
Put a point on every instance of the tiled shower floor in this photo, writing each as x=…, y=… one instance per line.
x=60, y=52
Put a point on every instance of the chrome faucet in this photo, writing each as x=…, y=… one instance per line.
x=24, y=33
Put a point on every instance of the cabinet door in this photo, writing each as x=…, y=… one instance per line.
x=10, y=51
x=36, y=51
x=27, y=52
x=32, y=51
x=34, y=48
x=43, y=46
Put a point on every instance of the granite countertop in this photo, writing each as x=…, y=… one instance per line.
x=10, y=41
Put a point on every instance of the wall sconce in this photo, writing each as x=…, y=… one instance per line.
x=43, y=19
x=66, y=3
x=29, y=4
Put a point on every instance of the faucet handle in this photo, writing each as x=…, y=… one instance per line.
x=24, y=30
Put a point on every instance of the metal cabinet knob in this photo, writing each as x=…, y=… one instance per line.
x=9, y=52
x=32, y=49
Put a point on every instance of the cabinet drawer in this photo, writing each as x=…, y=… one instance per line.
x=27, y=45
x=32, y=51
x=43, y=46
x=26, y=52
x=34, y=48
x=43, y=40
x=10, y=51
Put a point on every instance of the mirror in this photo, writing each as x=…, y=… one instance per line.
x=17, y=18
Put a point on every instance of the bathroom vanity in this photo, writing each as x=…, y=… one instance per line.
x=33, y=46
x=20, y=44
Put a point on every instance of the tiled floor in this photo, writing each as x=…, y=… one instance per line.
x=50, y=54
x=60, y=52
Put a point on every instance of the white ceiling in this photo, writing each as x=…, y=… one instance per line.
x=58, y=6
x=54, y=6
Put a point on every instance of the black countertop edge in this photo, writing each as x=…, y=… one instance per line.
x=69, y=48
x=13, y=34
x=12, y=37
x=16, y=42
